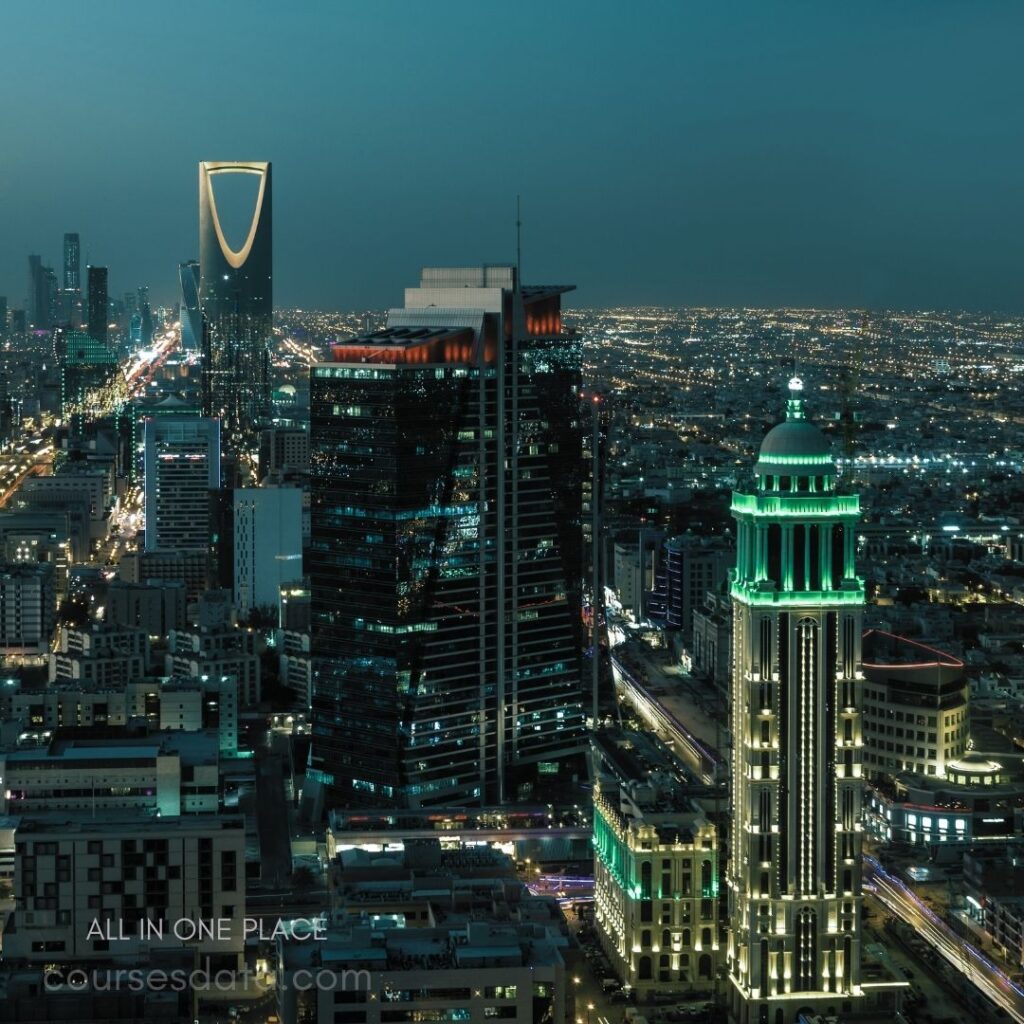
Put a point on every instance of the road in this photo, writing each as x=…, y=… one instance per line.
x=32, y=457
x=699, y=752
x=965, y=958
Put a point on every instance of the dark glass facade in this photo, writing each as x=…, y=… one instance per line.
x=97, y=312
x=444, y=613
x=236, y=298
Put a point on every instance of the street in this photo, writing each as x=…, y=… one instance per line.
x=964, y=957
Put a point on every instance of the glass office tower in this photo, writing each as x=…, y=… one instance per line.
x=446, y=466
x=236, y=298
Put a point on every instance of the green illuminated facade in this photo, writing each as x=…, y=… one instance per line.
x=655, y=893
x=794, y=873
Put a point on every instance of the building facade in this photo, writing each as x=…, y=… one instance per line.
x=137, y=875
x=445, y=558
x=28, y=607
x=97, y=311
x=795, y=873
x=916, y=707
x=656, y=871
x=182, y=466
x=267, y=544
x=236, y=298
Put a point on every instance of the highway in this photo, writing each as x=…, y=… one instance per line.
x=32, y=456
x=964, y=957
x=707, y=762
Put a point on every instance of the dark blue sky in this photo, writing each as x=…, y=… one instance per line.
x=676, y=152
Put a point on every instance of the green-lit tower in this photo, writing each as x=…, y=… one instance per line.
x=794, y=873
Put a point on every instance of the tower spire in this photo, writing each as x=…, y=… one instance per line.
x=519, y=242
x=795, y=403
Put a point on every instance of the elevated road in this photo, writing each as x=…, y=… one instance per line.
x=701, y=756
x=965, y=958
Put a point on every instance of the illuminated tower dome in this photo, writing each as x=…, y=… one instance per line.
x=794, y=874
x=795, y=446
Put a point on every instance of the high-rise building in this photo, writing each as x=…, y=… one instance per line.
x=446, y=463
x=182, y=466
x=283, y=449
x=3, y=316
x=236, y=298
x=795, y=871
x=42, y=295
x=267, y=537
x=71, y=292
x=72, y=263
x=191, y=314
x=98, y=312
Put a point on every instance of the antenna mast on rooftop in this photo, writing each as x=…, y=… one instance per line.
x=519, y=243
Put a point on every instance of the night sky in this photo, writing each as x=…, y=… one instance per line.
x=677, y=153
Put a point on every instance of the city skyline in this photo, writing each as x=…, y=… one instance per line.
x=739, y=157
x=452, y=653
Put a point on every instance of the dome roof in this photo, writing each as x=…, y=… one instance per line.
x=795, y=443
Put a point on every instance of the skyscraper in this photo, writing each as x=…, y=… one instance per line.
x=42, y=294
x=182, y=466
x=795, y=873
x=445, y=600
x=97, y=303
x=72, y=263
x=236, y=298
x=71, y=284
x=191, y=315
x=267, y=537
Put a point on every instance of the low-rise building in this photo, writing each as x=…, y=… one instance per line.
x=120, y=887
x=656, y=871
x=471, y=971
x=103, y=771
x=916, y=707
x=978, y=799
x=101, y=655
x=712, y=639
x=28, y=608
x=155, y=606
x=218, y=652
x=164, y=703
x=191, y=567
x=294, y=664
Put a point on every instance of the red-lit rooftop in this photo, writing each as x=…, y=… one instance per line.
x=408, y=345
